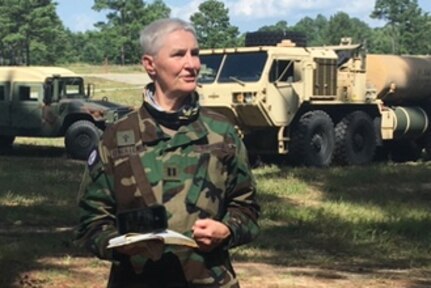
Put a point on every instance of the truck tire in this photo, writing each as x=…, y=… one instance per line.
x=313, y=139
x=81, y=137
x=6, y=141
x=355, y=139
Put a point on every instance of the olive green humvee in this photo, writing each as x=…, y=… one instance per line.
x=52, y=102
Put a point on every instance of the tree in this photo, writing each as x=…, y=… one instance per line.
x=280, y=26
x=381, y=41
x=314, y=29
x=408, y=26
x=213, y=26
x=341, y=25
x=31, y=32
x=125, y=19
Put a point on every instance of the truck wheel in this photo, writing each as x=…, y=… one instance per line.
x=6, y=141
x=81, y=137
x=313, y=140
x=355, y=139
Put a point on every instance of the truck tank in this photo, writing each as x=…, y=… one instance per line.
x=399, y=79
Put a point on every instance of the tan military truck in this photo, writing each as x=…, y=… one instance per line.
x=52, y=102
x=321, y=105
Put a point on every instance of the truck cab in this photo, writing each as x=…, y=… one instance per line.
x=320, y=104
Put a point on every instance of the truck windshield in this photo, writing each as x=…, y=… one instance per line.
x=243, y=67
x=71, y=87
x=210, y=64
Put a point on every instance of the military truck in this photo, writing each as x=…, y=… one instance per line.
x=52, y=102
x=321, y=105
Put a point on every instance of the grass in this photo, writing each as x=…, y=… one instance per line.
x=83, y=68
x=378, y=215
x=356, y=219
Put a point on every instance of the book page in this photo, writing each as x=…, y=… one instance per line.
x=169, y=237
x=174, y=238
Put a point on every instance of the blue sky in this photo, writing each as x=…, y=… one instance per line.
x=247, y=15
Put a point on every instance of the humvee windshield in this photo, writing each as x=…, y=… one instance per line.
x=68, y=87
x=240, y=67
x=71, y=87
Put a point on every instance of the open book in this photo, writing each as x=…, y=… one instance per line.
x=168, y=237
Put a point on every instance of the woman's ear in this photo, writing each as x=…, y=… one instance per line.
x=148, y=63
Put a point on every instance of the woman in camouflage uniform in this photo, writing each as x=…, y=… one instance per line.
x=170, y=153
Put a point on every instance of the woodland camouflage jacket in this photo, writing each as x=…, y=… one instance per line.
x=201, y=171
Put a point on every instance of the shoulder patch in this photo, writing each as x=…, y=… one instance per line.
x=95, y=165
x=92, y=157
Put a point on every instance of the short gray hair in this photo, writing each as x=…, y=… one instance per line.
x=151, y=37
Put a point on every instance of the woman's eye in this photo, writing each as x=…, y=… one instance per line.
x=178, y=54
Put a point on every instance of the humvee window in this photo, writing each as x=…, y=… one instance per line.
x=243, y=67
x=281, y=71
x=28, y=93
x=2, y=93
x=210, y=67
x=71, y=87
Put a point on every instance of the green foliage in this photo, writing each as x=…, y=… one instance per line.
x=341, y=25
x=30, y=33
x=280, y=26
x=213, y=27
x=120, y=34
x=314, y=29
x=407, y=25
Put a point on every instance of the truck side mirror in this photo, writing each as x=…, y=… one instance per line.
x=90, y=90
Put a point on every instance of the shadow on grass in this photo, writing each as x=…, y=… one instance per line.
x=22, y=249
x=364, y=220
x=38, y=209
x=34, y=151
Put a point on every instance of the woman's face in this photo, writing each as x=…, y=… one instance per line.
x=176, y=66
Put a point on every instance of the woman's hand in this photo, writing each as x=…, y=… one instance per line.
x=209, y=233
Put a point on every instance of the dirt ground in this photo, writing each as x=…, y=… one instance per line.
x=93, y=273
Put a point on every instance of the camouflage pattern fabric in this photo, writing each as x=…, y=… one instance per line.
x=201, y=171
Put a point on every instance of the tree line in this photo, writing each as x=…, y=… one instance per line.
x=32, y=33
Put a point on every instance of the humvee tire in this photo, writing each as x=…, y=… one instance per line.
x=80, y=139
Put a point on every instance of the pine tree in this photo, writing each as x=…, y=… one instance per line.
x=31, y=32
x=125, y=20
x=213, y=25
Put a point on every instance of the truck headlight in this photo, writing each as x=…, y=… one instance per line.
x=244, y=97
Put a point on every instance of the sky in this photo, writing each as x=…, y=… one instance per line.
x=247, y=15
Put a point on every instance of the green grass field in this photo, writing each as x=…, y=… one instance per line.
x=355, y=219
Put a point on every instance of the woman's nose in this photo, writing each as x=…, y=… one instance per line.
x=192, y=61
